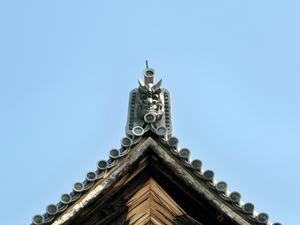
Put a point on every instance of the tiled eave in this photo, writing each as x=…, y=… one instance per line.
x=190, y=171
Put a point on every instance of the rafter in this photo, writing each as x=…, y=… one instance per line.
x=152, y=205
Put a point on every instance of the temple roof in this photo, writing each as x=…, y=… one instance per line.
x=150, y=163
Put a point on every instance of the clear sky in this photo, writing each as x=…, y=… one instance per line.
x=67, y=67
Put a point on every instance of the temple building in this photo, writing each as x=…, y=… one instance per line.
x=150, y=179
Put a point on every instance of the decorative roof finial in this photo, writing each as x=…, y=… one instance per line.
x=149, y=107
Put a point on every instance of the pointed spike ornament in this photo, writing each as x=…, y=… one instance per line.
x=147, y=64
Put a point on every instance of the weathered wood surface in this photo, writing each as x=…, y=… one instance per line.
x=151, y=204
x=104, y=185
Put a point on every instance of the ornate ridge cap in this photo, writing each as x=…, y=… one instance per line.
x=172, y=143
x=149, y=108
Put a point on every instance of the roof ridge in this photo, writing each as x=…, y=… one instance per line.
x=149, y=112
x=183, y=154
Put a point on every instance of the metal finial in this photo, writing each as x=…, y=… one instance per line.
x=146, y=64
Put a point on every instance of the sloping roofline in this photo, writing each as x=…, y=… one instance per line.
x=149, y=126
x=184, y=171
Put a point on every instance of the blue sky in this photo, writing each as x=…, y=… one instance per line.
x=66, y=69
